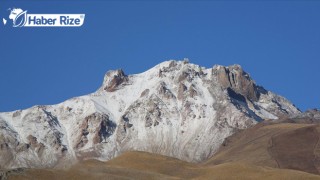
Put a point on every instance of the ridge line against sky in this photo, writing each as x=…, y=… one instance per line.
x=277, y=43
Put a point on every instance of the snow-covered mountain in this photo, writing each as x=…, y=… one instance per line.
x=176, y=109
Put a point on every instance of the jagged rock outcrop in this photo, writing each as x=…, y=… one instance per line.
x=114, y=79
x=176, y=109
x=239, y=81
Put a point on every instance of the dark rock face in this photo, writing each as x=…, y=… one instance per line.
x=114, y=80
x=235, y=95
x=239, y=81
x=171, y=66
x=107, y=128
x=148, y=121
x=192, y=92
x=35, y=145
x=165, y=92
x=182, y=89
x=54, y=124
x=145, y=93
x=83, y=140
x=97, y=124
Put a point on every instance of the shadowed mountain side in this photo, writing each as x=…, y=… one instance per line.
x=140, y=165
x=284, y=145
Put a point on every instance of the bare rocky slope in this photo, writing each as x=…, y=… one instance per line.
x=176, y=109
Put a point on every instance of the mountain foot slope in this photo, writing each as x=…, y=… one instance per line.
x=279, y=145
x=141, y=165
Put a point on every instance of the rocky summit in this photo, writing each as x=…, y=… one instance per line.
x=176, y=109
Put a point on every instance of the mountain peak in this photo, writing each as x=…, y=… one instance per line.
x=235, y=78
x=113, y=79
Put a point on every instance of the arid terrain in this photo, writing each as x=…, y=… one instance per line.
x=285, y=145
x=141, y=165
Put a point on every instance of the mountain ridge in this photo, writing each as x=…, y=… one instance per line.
x=176, y=109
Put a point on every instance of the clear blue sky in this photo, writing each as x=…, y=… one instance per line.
x=278, y=43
